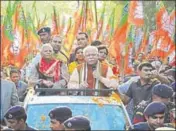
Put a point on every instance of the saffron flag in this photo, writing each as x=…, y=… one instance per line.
x=143, y=46
x=109, y=28
x=120, y=37
x=161, y=13
x=89, y=21
x=55, y=26
x=163, y=42
x=100, y=23
x=75, y=28
x=7, y=33
x=136, y=14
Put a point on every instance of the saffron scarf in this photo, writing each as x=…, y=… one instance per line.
x=50, y=69
x=84, y=77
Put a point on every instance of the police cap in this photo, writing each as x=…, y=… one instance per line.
x=44, y=29
x=155, y=108
x=173, y=85
x=78, y=123
x=15, y=112
x=61, y=113
x=162, y=90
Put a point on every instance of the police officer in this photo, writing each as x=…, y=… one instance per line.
x=160, y=92
x=173, y=85
x=45, y=34
x=154, y=114
x=16, y=119
x=77, y=123
x=58, y=115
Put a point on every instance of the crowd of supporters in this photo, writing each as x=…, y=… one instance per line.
x=148, y=92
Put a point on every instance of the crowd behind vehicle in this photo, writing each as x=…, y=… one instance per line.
x=148, y=92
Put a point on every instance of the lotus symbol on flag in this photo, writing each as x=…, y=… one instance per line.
x=15, y=47
x=138, y=13
x=168, y=24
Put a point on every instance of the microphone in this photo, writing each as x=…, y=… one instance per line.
x=94, y=67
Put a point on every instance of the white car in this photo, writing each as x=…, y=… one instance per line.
x=104, y=113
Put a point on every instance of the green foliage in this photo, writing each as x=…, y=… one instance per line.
x=68, y=8
x=150, y=11
x=8, y=28
x=124, y=15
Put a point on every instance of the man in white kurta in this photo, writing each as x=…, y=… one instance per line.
x=92, y=74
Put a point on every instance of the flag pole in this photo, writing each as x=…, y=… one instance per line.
x=95, y=8
x=78, y=3
x=86, y=14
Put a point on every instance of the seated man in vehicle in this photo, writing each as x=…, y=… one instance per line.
x=49, y=72
x=92, y=74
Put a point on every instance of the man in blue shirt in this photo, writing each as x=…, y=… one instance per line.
x=20, y=85
x=9, y=97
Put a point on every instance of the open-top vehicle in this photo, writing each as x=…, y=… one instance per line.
x=104, y=113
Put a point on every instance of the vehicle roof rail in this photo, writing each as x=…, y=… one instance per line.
x=71, y=90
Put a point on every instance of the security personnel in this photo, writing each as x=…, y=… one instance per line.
x=154, y=114
x=16, y=119
x=160, y=92
x=58, y=115
x=45, y=34
x=77, y=123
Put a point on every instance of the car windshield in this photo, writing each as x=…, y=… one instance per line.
x=102, y=117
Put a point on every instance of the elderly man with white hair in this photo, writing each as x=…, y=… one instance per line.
x=92, y=74
x=49, y=72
